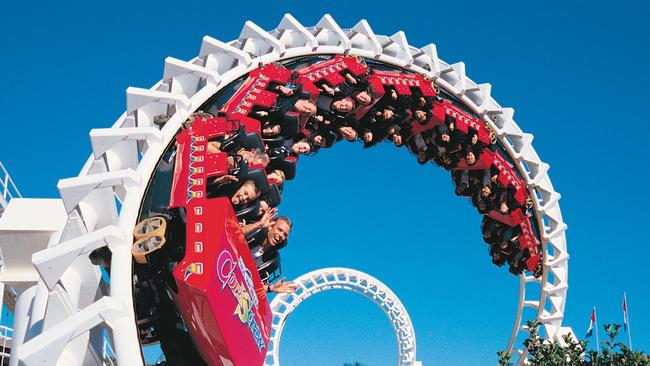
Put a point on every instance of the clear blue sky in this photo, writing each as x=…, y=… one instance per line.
x=576, y=73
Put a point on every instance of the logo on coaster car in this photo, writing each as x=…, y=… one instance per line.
x=237, y=278
x=193, y=268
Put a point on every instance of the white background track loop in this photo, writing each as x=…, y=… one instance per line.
x=361, y=283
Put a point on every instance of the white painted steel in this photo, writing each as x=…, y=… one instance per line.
x=111, y=177
x=361, y=283
x=21, y=321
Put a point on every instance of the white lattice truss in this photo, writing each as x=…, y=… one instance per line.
x=326, y=279
x=73, y=305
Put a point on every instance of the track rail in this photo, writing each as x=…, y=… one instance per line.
x=124, y=156
x=361, y=283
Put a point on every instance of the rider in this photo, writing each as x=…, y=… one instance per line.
x=272, y=236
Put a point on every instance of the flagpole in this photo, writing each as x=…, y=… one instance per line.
x=627, y=320
x=596, y=326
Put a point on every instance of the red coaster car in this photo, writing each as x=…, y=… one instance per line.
x=220, y=295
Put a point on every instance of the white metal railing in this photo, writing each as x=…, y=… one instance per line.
x=6, y=334
x=8, y=189
x=108, y=355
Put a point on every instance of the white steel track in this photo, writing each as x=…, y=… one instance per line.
x=71, y=302
x=361, y=283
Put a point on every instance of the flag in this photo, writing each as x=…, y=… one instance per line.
x=624, y=312
x=592, y=323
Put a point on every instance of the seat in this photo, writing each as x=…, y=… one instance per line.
x=231, y=143
x=248, y=213
x=508, y=177
x=217, y=165
x=290, y=124
x=258, y=175
x=511, y=219
x=287, y=164
x=274, y=197
x=270, y=269
x=501, y=259
x=255, y=238
x=240, y=172
x=491, y=230
x=330, y=138
x=252, y=141
x=273, y=142
x=252, y=125
x=216, y=129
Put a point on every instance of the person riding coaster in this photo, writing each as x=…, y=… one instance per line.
x=265, y=238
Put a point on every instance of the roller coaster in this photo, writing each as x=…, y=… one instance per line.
x=146, y=244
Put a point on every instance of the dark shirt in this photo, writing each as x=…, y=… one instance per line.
x=284, y=104
x=262, y=257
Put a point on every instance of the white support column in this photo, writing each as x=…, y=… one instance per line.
x=39, y=305
x=22, y=318
x=127, y=341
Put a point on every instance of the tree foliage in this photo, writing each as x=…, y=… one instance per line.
x=575, y=353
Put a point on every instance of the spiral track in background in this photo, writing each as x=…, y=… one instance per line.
x=102, y=203
x=326, y=279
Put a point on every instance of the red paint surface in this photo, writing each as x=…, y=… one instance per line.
x=228, y=320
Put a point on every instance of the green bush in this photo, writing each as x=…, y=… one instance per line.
x=612, y=353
